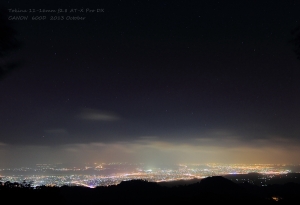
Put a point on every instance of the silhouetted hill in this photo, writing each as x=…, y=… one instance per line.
x=218, y=183
x=218, y=189
x=138, y=184
x=179, y=182
x=211, y=190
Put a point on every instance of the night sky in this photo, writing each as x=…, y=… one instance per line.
x=152, y=82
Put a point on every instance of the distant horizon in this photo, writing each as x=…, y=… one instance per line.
x=141, y=163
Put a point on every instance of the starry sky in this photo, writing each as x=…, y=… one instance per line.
x=152, y=82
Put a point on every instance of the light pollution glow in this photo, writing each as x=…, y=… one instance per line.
x=153, y=151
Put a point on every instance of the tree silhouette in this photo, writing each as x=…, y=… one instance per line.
x=8, y=42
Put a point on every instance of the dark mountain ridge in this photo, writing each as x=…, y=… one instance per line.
x=213, y=190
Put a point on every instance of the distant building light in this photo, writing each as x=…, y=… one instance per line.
x=276, y=198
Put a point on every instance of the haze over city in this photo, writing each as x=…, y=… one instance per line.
x=154, y=82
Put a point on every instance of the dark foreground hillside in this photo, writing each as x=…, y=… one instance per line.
x=211, y=190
